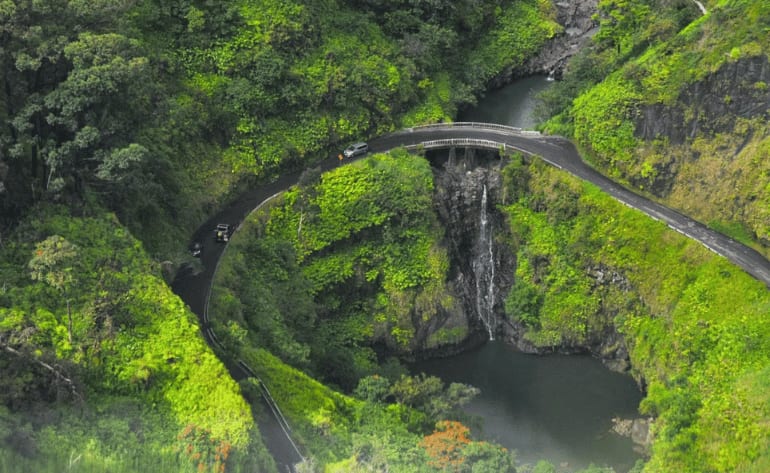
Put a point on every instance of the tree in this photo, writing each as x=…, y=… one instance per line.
x=485, y=457
x=73, y=94
x=427, y=394
x=373, y=388
x=53, y=264
x=445, y=445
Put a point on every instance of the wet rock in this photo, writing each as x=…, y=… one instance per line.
x=638, y=430
x=459, y=188
x=576, y=19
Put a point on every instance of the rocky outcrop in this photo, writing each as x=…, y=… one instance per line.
x=710, y=107
x=460, y=178
x=576, y=19
x=638, y=430
x=460, y=184
x=739, y=89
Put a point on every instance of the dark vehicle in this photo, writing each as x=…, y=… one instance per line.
x=222, y=232
x=196, y=249
x=356, y=149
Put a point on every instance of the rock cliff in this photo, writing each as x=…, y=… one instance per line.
x=576, y=19
x=461, y=177
x=460, y=184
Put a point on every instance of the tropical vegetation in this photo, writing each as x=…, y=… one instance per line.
x=125, y=124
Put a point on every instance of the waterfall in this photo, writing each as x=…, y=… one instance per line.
x=484, y=270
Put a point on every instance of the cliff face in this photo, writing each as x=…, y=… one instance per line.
x=481, y=266
x=468, y=194
x=708, y=150
x=737, y=90
x=578, y=26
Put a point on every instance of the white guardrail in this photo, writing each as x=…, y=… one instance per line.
x=487, y=144
x=269, y=400
x=481, y=126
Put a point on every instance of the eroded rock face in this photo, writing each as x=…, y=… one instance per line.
x=460, y=178
x=712, y=106
x=740, y=89
x=460, y=184
x=576, y=18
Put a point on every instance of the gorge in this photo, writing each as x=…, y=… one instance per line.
x=553, y=408
x=129, y=125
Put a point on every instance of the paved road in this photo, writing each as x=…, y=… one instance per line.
x=194, y=289
x=561, y=153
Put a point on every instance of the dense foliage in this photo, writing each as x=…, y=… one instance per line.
x=136, y=119
x=680, y=108
x=388, y=425
x=86, y=320
x=696, y=326
x=150, y=106
x=347, y=258
x=140, y=118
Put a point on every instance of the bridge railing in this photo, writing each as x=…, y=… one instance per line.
x=459, y=142
x=481, y=125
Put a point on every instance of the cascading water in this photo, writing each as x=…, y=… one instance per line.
x=484, y=270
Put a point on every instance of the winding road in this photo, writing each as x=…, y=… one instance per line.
x=195, y=288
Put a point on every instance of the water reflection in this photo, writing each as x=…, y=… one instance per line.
x=512, y=105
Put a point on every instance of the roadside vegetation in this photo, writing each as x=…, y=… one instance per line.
x=319, y=276
x=103, y=367
x=126, y=123
x=674, y=104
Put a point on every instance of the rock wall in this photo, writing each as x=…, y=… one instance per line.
x=460, y=181
x=737, y=89
x=460, y=176
x=576, y=18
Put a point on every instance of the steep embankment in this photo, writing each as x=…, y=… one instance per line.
x=348, y=264
x=103, y=367
x=593, y=273
x=686, y=119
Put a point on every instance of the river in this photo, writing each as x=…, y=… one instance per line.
x=557, y=408
x=512, y=105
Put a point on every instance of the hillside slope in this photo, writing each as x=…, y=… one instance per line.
x=683, y=118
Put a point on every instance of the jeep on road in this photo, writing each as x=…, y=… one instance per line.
x=222, y=232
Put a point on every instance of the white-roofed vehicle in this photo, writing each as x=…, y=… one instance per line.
x=356, y=149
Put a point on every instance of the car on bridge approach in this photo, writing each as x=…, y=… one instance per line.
x=356, y=149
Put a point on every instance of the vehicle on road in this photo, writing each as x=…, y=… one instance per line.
x=356, y=149
x=222, y=232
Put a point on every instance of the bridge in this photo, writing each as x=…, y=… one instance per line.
x=195, y=289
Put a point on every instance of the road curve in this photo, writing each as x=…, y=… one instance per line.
x=194, y=288
x=562, y=154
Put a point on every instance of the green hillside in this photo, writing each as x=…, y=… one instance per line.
x=696, y=326
x=681, y=112
x=124, y=125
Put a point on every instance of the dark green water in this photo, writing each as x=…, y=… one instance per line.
x=512, y=105
x=557, y=408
